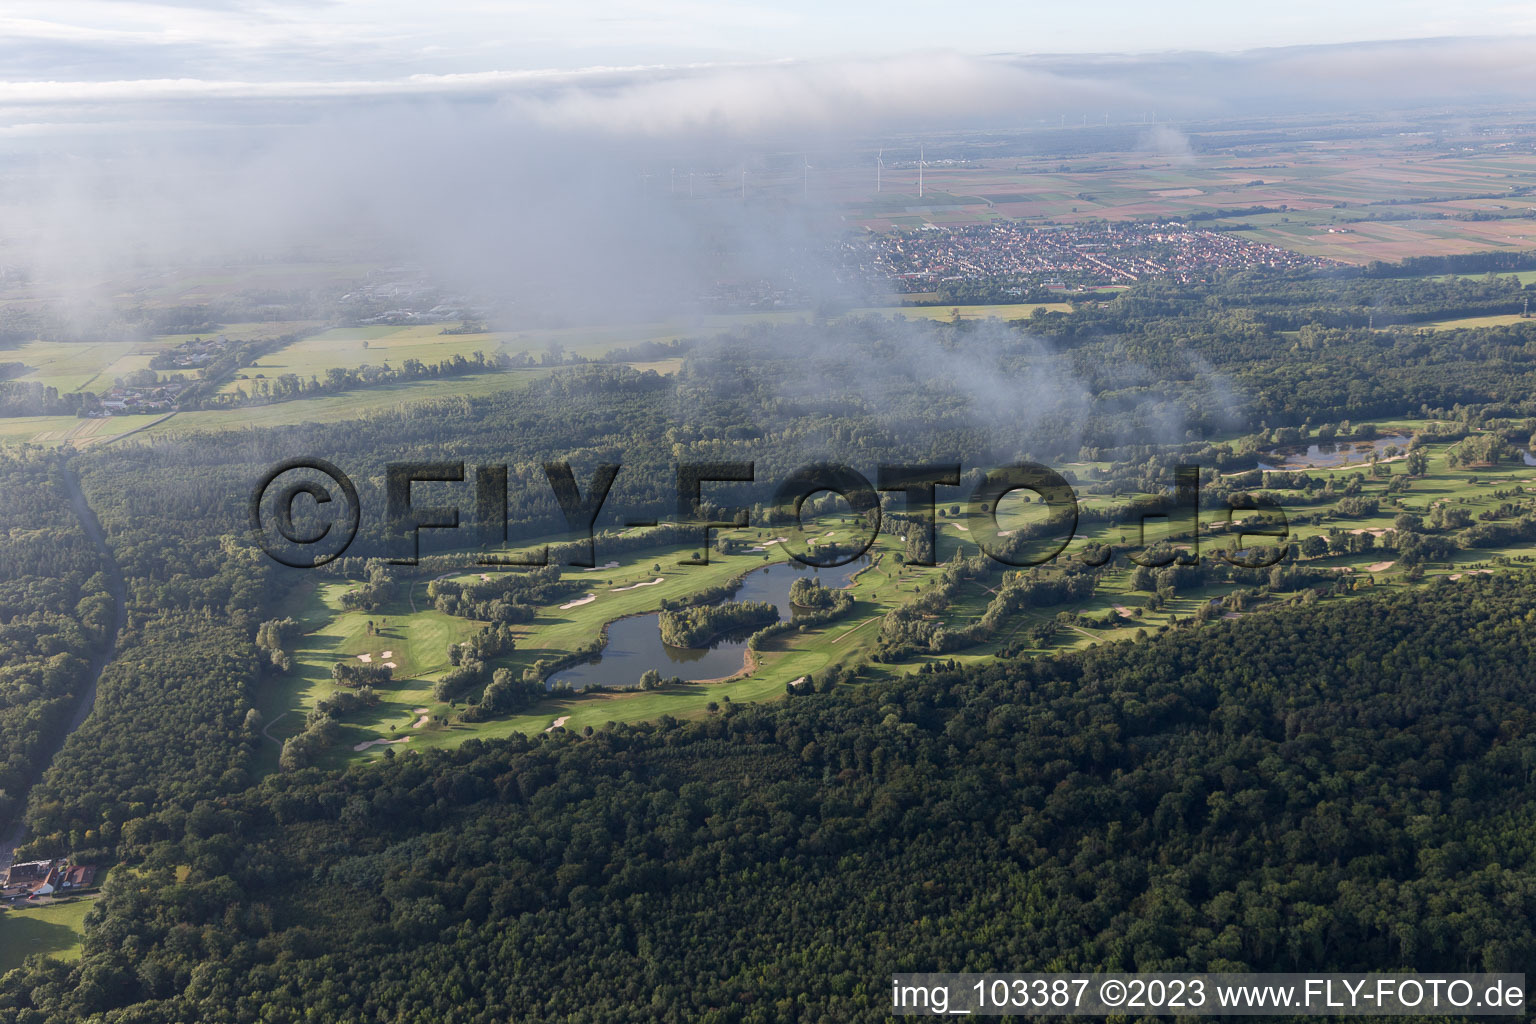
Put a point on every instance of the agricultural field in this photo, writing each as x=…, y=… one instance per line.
x=81, y=433
x=598, y=340
x=93, y=367
x=351, y=347
x=1337, y=183
x=345, y=405
x=1361, y=241
x=415, y=636
x=79, y=366
x=251, y=330
x=1461, y=323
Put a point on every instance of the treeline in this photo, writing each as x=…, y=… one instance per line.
x=57, y=613
x=506, y=597
x=697, y=625
x=505, y=694
x=289, y=386
x=174, y=719
x=171, y=726
x=469, y=660
x=31, y=398
x=919, y=625
x=1342, y=787
x=821, y=605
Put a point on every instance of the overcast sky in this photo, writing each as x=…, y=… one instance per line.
x=522, y=142
x=337, y=40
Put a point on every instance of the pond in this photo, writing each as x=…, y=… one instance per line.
x=1329, y=455
x=634, y=643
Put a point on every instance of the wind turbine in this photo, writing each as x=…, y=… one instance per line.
x=879, y=166
x=743, y=183
x=805, y=170
x=919, y=172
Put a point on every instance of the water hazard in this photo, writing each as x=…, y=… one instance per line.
x=634, y=644
x=1330, y=455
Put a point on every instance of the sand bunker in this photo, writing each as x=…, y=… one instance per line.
x=578, y=602
x=1123, y=610
x=632, y=586
x=600, y=568
x=365, y=658
x=765, y=545
x=963, y=529
x=379, y=743
x=1379, y=566
x=486, y=577
x=390, y=664
x=389, y=654
x=558, y=723
x=1474, y=572
x=420, y=722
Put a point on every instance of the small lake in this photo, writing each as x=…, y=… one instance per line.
x=634, y=643
x=1328, y=455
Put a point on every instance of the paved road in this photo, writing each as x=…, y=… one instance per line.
x=119, y=592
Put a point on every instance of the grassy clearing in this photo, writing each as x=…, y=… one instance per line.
x=55, y=930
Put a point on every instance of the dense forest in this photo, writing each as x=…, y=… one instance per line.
x=57, y=614
x=1337, y=784
x=1340, y=787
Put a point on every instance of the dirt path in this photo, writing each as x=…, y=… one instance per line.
x=270, y=724
x=135, y=430
x=119, y=591
x=855, y=629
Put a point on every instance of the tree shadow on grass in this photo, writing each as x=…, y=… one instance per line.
x=24, y=933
